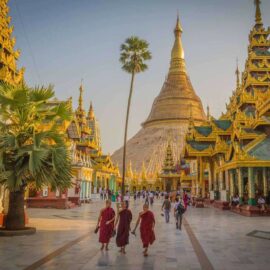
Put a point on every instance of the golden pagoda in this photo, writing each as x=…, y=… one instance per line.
x=8, y=55
x=169, y=175
x=169, y=116
x=235, y=149
x=93, y=125
x=177, y=97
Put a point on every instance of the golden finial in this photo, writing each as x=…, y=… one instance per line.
x=177, y=51
x=258, y=12
x=81, y=96
x=91, y=114
x=208, y=112
x=178, y=28
x=237, y=73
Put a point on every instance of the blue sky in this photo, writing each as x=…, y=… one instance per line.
x=63, y=41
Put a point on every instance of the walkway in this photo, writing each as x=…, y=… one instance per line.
x=210, y=239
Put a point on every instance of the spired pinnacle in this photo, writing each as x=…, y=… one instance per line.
x=237, y=73
x=80, y=106
x=177, y=50
x=258, y=16
x=91, y=114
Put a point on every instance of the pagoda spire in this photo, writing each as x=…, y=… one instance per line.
x=237, y=73
x=91, y=113
x=177, y=54
x=208, y=112
x=8, y=56
x=168, y=161
x=80, y=112
x=258, y=15
x=80, y=104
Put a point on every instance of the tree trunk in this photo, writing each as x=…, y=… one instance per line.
x=15, y=217
x=125, y=137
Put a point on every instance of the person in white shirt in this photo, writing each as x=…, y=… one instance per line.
x=151, y=197
x=262, y=203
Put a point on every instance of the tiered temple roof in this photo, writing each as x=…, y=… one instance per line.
x=241, y=134
x=8, y=55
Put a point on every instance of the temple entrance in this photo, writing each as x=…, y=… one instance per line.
x=168, y=186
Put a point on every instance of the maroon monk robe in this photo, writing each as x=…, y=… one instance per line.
x=105, y=231
x=122, y=236
x=146, y=228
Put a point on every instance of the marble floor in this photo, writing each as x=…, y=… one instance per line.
x=210, y=239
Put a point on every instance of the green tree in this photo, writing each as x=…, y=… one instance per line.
x=32, y=150
x=134, y=54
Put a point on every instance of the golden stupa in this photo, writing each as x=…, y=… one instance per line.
x=171, y=112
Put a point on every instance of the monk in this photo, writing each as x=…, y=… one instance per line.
x=124, y=217
x=147, y=220
x=106, y=225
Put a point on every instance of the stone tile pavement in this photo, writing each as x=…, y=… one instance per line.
x=65, y=240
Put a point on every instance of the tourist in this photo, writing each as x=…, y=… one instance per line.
x=179, y=210
x=262, y=203
x=100, y=193
x=151, y=197
x=147, y=223
x=185, y=199
x=105, y=225
x=124, y=217
x=166, y=207
x=135, y=196
x=235, y=200
x=146, y=198
x=127, y=198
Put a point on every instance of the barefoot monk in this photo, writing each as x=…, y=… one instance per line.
x=106, y=224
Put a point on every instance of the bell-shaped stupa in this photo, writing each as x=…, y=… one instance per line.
x=171, y=112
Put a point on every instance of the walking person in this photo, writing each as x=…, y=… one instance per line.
x=166, y=207
x=124, y=218
x=185, y=199
x=151, y=196
x=179, y=210
x=146, y=220
x=105, y=225
x=127, y=198
x=101, y=193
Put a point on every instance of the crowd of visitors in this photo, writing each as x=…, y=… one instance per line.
x=110, y=223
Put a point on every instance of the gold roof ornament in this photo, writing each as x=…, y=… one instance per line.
x=80, y=112
x=143, y=172
x=258, y=16
x=237, y=73
x=80, y=104
x=178, y=51
x=8, y=56
x=91, y=113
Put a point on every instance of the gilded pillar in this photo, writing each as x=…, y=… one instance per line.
x=231, y=181
x=265, y=184
x=256, y=179
x=198, y=177
x=201, y=184
x=251, y=187
x=210, y=176
x=193, y=187
x=240, y=185
x=227, y=181
x=220, y=181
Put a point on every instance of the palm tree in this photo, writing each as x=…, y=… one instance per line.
x=134, y=53
x=32, y=150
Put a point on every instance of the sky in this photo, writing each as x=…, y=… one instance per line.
x=65, y=41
